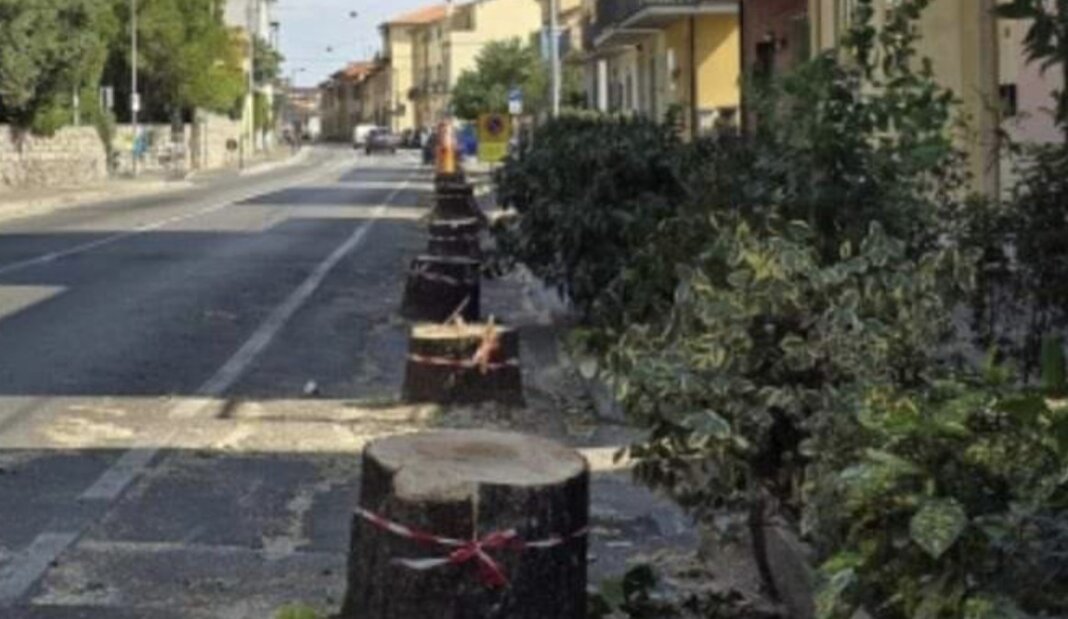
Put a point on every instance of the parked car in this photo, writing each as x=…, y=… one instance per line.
x=360, y=134
x=382, y=141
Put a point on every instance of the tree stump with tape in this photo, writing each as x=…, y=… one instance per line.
x=463, y=364
x=440, y=286
x=469, y=525
x=455, y=237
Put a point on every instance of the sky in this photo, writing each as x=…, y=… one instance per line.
x=307, y=28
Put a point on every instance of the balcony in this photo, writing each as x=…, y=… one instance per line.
x=626, y=22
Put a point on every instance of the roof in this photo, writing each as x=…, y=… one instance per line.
x=355, y=71
x=418, y=17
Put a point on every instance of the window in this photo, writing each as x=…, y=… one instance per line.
x=1009, y=100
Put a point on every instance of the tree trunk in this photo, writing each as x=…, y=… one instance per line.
x=463, y=364
x=455, y=237
x=456, y=201
x=439, y=285
x=465, y=486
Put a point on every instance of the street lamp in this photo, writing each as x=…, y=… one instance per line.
x=135, y=99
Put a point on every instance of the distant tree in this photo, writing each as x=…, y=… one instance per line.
x=501, y=66
x=187, y=58
x=48, y=50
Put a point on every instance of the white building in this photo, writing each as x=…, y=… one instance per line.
x=255, y=17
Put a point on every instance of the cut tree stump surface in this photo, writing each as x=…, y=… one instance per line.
x=460, y=364
x=468, y=485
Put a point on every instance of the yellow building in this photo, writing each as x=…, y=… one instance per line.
x=446, y=40
x=399, y=42
x=651, y=57
x=982, y=59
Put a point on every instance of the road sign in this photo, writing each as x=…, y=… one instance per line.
x=515, y=102
x=494, y=134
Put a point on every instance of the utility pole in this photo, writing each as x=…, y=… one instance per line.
x=253, y=11
x=135, y=98
x=554, y=54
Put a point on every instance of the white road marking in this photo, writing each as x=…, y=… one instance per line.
x=157, y=225
x=26, y=569
x=27, y=566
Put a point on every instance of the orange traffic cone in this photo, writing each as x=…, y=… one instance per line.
x=446, y=150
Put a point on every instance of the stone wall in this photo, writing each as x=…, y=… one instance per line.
x=73, y=156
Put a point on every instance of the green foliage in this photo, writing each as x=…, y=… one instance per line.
x=187, y=58
x=268, y=62
x=49, y=49
x=590, y=191
x=501, y=66
x=262, y=114
x=766, y=340
x=956, y=506
x=298, y=611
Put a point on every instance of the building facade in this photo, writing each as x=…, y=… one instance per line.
x=253, y=19
x=652, y=57
x=981, y=58
x=343, y=101
x=428, y=50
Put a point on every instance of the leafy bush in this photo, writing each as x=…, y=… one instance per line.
x=956, y=506
x=589, y=191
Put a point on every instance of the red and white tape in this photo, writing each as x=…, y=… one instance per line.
x=464, y=552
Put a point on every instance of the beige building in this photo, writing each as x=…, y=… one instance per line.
x=650, y=57
x=429, y=49
x=982, y=59
x=343, y=102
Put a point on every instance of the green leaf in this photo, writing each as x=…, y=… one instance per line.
x=937, y=526
x=708, y=423
x=1053, y=366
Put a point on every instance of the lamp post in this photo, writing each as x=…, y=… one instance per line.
x=135, y=99
x=554, y=54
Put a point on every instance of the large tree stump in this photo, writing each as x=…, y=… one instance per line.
x=446, y=180
x=463, y=364
x=455, y=237
x=438, y=286
x=466, y=486
x=456, y=202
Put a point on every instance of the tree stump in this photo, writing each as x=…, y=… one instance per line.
x=438, y=286
x=455, y=237
x=457, y=202
x=525, y=498
x=445, y=180
x=463, y=364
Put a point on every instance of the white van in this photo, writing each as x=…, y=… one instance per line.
x=360, y=134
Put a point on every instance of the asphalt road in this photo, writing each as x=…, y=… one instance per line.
x=136, y=332
x=160, y=455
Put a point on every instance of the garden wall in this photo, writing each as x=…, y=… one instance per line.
x=73, y=156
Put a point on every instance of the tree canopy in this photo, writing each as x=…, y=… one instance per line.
x=503, y=65
x=48, y=50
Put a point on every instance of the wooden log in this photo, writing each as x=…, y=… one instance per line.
x=445, y=180
x=455, y=237
x=469, y=485
x=463, y=364
x=439, y=285
x=457, y=203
